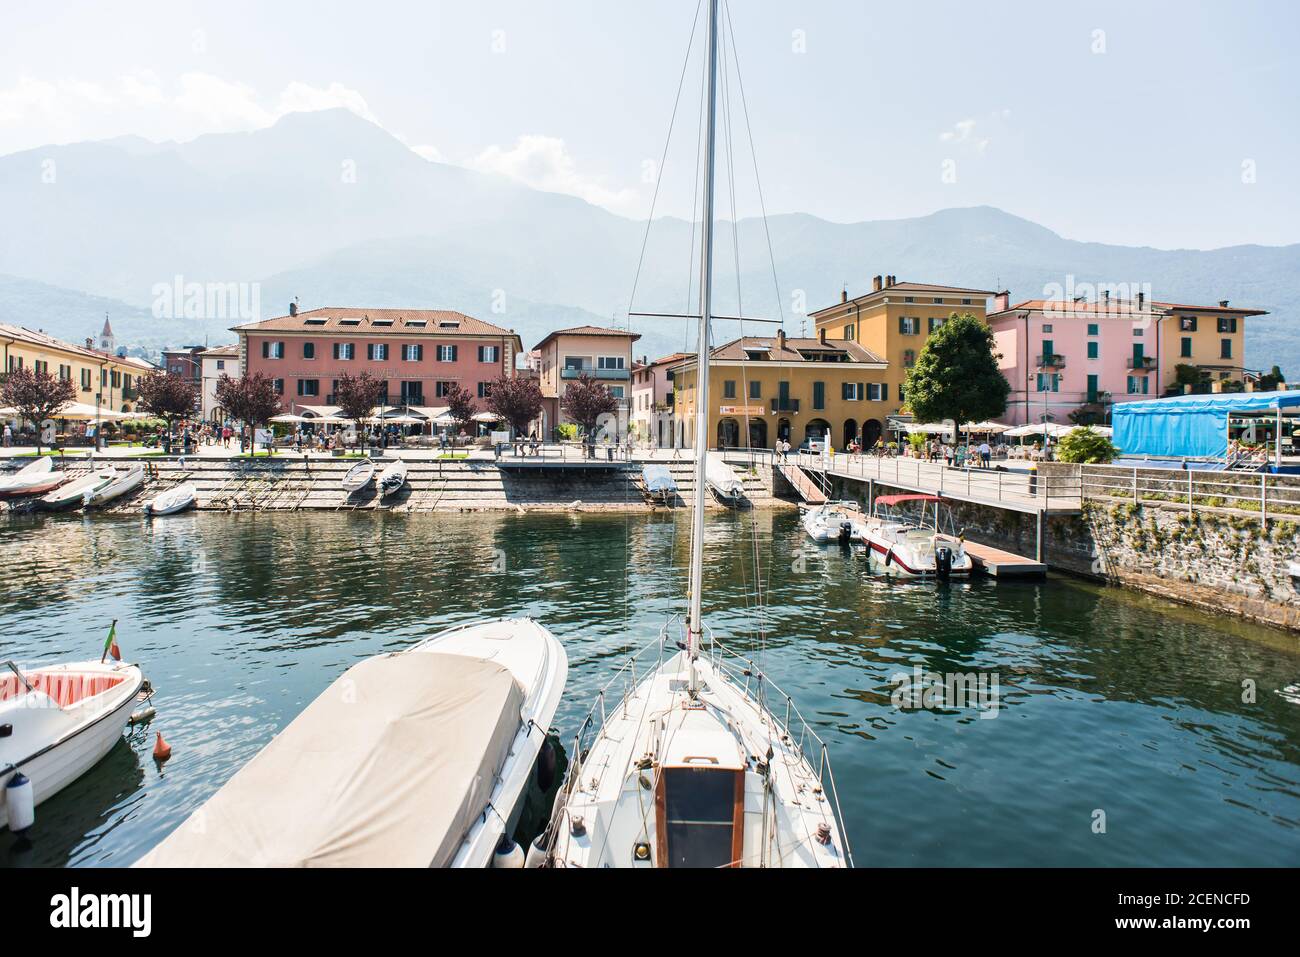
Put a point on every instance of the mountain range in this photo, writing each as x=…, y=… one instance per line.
x=330, y=209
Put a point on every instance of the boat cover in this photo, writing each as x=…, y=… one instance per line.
x=658, y=478
x=389, y=767
x=1189, y=425
x=719, y=474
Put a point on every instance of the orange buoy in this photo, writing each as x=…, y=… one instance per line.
x=161, y=749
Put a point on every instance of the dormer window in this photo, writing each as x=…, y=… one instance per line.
x=416, y=323
x=315, y=322
x=382, y=322
x=756, y=355
x=349, y=322
x=448, y=324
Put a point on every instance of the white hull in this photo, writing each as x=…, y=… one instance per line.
x=358, y=477
x=392, y=479
x=173, y=500
x=73, y=493
x=827, y=523
x=64, y=744
x=909, y=550
x=722, y=480
x=122, y=483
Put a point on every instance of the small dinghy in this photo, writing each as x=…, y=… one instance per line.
x=36, y=478
x=60, y=721
x=71, y=494
x=359, y=476
x=658, y=483
x=420, y=758
x=176, y=499
x=124, y=480
x=392, y=479
x=724, y=482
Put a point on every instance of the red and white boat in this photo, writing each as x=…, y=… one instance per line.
x=35, y=479
x=912, y=543
x=55, y=724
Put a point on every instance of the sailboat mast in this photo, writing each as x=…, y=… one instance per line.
x=694, y=621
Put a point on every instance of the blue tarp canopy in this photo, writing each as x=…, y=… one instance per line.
x=1192, y=426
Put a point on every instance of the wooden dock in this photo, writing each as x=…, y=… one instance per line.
x=1000, y=564
x=808, y=490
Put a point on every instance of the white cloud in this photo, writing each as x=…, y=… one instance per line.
x=543, y=162
x=431, y=153
x=963, y=132
x=303, y=98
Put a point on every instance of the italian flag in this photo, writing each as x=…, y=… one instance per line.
x=110, y=644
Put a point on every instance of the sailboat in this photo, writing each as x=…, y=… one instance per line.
x=690, y=766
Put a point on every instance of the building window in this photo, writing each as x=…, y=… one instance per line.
x=484, y=389
x=1049, y=382
x=965, y=302
x=412, y=393
x=442, y=389
x=221, y=364
x=850, y=332
x=935, y=322
x=309, y=387
x=1225, y=348
x=117, y=376
x=445, y=353
x=1094, y=350
x=908, y=299
x=1138, y=385
x=85, y=380
x=1187, y=324
x=308, y=351
x=909, y=358
x=937, y=301
x=278, y=386
x=1137, y=331
x=616, y=391
x=1227, y=324
x=878, y=392
x=755, y=389
x=851, y=391
x=819, y=395
x=489, y=353
x=609, y=362
x=1093, y=329
x=377, y=351
x=65, y=373
x=729, y=389
x=343, y=351
x=272, y=350
x=909, y=325
x=1047, y=327
x=1186, y=352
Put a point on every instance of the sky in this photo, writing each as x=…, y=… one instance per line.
x=1168, y=124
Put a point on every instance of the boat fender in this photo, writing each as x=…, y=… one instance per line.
x=536, y=856
x=21, y=802
x=143, y=716
x=161, y=749
x=546, y=766
x=889, y=557
x=509, y=855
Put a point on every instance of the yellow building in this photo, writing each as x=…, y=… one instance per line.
x=894, y=320
x=764, y=389
x=100, y=377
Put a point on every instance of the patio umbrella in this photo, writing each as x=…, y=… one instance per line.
x=487, y=417
x=990, y=427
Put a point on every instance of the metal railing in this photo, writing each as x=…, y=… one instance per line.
x=620, y=374
x=1051, y=361
x=1257, y=495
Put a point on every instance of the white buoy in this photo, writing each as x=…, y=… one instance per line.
x=536, y=852
x=20, y=800
x=509, y=855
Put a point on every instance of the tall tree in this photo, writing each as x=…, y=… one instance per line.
x=357, y=396
x=956, y=376
x=585, y=401
x=250, y=399
x=460, y=405
x=166, y=395
x=36, y=395
x=517, y=399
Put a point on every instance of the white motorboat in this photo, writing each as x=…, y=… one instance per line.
x=658, y=483
x=56, y=722
x=359, y=476
x=392, y=479
x=914, y=544
x=175, y=499
x=36, y=478
x=71, y=494
x=124, y=480
x=722, y=479
x=685, y=765
x=833, y=522
x=419, y=758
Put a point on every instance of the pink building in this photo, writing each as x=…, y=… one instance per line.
x=652, y=399
x=419, y=353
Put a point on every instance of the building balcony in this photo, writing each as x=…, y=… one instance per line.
x=619, y=375
x=784, y=405
x=1142, y=363
x=1052, y=361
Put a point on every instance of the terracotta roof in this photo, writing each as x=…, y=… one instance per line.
x=589, y=331
x=668, y=359
x=1117, y=308
x=33, y=337
x=378, y=322
x=794, y=350
x=223, y=352
x=922, y=288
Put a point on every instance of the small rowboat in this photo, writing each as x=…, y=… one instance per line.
x=61, y=720
x=124, y=480
x=71, y=494
x=174, y=500
x=392, y=478
x=36, y=478
x=359, y=476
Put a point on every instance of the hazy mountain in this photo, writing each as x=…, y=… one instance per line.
x=332, y=209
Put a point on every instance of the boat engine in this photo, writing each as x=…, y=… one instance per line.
x=846, y=532
x=943, y=561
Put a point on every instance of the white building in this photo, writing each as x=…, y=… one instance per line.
x=214, y=363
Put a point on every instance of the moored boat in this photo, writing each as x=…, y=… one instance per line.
x=60, y=720
x=359, y=476
x=392, y=479
x=418, y=758
x=124, y=481
x=175, y=499
x=833, y=522
x=36, y=478
x=658, y=483
x=913, y=544
x=71, y=494
x=722, y=479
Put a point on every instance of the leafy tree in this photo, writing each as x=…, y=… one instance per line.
x=585, y=401
x=250, y=399
x=1195, y=376
x=956, y=376
x=166, y=395
x=1086, y=446
x=36, y=395
x=517, y=399
x=460, y=405
x=357, y=396
x=1269, y=381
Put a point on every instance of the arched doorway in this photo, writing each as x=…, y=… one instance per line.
x=783, y=429
x=816, y=429
x=850, y=431
x=871, y=432
x=758, y=433
x=728, y=434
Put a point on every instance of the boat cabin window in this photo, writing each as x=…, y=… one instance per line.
x=700, y=817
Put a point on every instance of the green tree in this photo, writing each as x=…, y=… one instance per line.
x=1086, y=446
x=1269, y=381
x=956, y=376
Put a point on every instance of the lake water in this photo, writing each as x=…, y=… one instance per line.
x=1108, y=703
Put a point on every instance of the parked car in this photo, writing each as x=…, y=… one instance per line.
x=814, y=446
